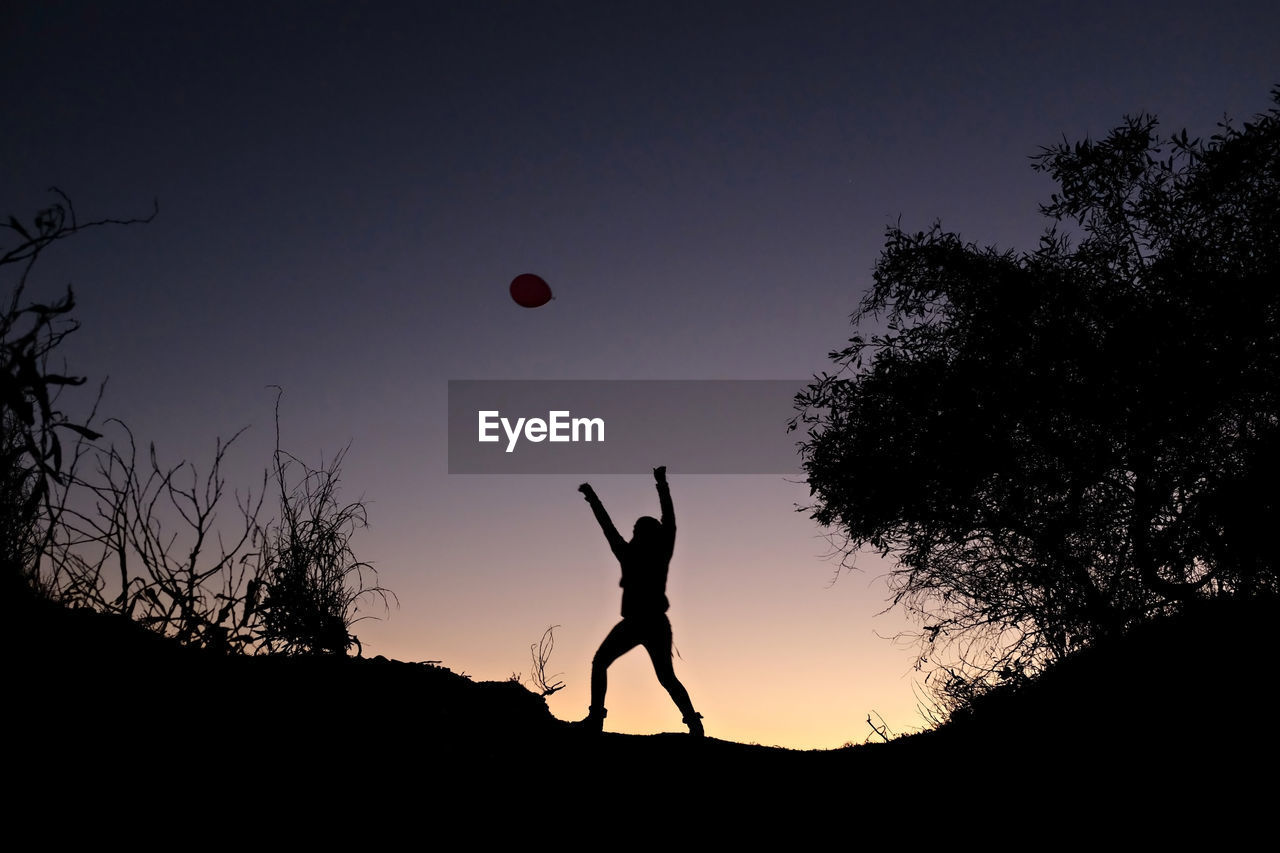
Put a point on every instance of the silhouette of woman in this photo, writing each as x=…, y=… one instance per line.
x=644, y=561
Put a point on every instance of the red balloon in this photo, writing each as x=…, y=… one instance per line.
x=530, y=290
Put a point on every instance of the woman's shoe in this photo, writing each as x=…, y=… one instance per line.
x=593, y=722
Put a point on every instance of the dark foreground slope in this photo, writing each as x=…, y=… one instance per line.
x=100, y=706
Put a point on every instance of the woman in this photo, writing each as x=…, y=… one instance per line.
x=644, y=561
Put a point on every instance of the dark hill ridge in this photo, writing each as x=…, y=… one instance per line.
x=1179, y=704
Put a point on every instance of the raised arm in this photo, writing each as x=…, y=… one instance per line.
x=664, y=499
x=616, y=543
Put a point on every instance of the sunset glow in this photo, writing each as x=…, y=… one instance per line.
x=347, y=192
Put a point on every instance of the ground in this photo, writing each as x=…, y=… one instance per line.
x=101, y=708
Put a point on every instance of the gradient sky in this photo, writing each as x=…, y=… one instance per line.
x=346, y=191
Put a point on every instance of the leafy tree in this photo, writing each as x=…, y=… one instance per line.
x=1058, y=444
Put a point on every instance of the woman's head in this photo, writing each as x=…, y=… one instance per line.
x=646, y=529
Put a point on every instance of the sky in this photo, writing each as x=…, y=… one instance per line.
x=346, y=191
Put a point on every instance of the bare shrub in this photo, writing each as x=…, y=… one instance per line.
x=313, y=584
x=541, y=655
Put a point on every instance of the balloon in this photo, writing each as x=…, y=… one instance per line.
x=530, y=290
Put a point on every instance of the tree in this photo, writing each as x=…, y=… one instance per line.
x=1056, y=445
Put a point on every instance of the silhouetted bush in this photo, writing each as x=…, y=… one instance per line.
x=312, y=583
x=20, y=540
x=540, y=656
x=93, y=525
x=34, y=471
x=140, y=539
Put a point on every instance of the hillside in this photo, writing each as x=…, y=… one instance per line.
x=1177, y=707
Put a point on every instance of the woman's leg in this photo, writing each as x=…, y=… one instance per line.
x=622, y=639
x=657, y=643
